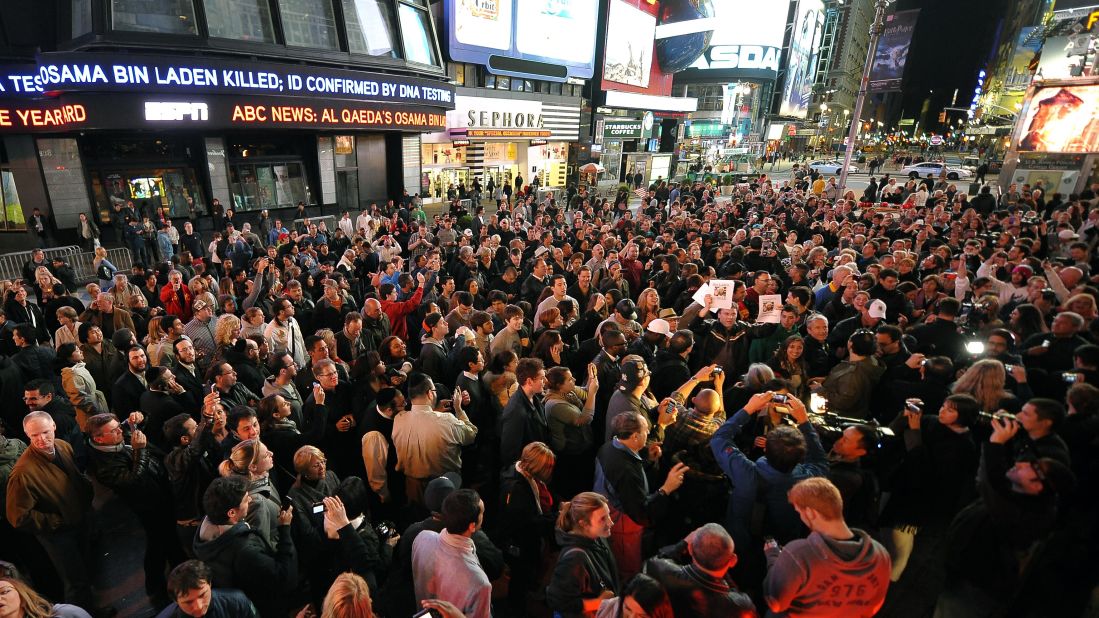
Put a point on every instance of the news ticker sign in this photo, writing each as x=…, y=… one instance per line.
x=64, y=72
x=91, y=112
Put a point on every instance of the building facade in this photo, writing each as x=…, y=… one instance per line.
x=259, y=104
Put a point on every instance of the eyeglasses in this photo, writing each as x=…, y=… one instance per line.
x=326, y=374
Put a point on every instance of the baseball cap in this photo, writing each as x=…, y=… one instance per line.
x=633, y=370
x=1024, y=269
x=660, y=326
x=1063, y=235
x=877, y=309
x=627, y=309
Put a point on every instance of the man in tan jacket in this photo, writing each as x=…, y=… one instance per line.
x=48, y=497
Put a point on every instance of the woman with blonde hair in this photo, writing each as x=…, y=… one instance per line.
x=586, y=571
x=1082, y=304
x=18, y=600
x=648, y=306
x=253, y=461
x=985, y=380
x=226, y=332
x=349, y=597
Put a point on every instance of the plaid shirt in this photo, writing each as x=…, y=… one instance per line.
x=690, y=429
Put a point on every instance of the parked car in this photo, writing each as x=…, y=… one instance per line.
x=935, y=169
x=831, y=167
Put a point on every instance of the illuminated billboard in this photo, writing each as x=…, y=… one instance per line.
x=801, y=65
x=749, y=42
x=532, y=39
x=1061, y=119
x=629, y=54
x=891, y=55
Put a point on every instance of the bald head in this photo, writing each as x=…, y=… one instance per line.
x=1071, y=276
x=711, y=548
x=706, y=401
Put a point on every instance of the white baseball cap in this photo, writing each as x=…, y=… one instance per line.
x=660, y=326
x=877, y=309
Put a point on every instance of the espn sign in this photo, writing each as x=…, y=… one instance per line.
x=176, y=111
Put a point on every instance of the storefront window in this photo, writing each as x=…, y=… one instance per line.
x=174, y=189
x=13, y=208
x=309, y=23
x=419, y=44
x=81, y=17
x=243, y=20
x=268, y=185
x=503, y=82
x=370, y=27
x=161, y=16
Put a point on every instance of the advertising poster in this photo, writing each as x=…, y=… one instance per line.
x=892, y=51
x=629, y=45
x=770, y=308
x=483, y=22
x=1064, y=56
x=1062, y=119
x=749, y=42
x=562, y=29
x=559, y=32
x=801, y=67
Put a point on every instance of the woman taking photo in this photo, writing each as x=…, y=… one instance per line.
x=586, y=572
x=569, y=411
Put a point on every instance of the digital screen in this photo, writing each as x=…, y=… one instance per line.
x=1062, y=119
x=155, y=112
x=749, y=41
x=485, y=23
x=93, y=72
x=557, y=32
x=629, y=53
x=797, y=91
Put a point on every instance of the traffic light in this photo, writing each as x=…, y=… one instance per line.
x=942, y=116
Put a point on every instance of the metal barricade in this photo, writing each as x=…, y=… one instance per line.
x=11, y=264
x=83, y=263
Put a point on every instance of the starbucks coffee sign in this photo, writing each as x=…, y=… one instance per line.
x=631, y=128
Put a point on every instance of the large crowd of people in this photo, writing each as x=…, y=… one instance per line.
x=574, y=406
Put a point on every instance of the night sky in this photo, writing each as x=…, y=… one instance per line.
x=952, y=42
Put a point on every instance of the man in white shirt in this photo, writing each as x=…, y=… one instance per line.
x=444, y=564
x=429, y=443
x=559, y=285
x=284, y=333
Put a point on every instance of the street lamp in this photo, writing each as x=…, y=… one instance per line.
x=853, y=133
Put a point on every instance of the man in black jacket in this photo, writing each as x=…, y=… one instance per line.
x=989, y=539
x=701, y=587
x=941, y=337
x=524, y=419
x=186, y=372
x=127, y=390
x=192, y=465
x=238, y=556
x=135, y=472
x=671, y=370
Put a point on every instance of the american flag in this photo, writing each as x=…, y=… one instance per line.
x=641, y=193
